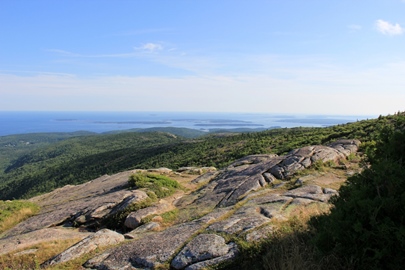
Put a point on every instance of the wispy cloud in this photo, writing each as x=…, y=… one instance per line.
x=64, y=53
x=150, y=47
x=145, y=48
x=387, y=28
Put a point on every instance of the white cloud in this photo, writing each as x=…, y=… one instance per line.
x=151, y=47
x=388, y=28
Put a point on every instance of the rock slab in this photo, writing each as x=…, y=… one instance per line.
x=201, y=248
x=101, y=238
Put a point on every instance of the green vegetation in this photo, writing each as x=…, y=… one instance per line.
x=13, y=212
x=160, y=185
x=75, y=160
x=14, y=146
x=366, y=226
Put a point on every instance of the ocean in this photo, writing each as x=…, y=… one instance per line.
x=35, y=122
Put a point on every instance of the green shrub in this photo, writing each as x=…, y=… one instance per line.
x=330, y=163
x=366, y=226
x=319, y=165
x=161, y=185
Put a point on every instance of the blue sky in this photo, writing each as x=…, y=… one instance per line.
x=306, y=57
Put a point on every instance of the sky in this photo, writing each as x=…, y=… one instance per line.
x=344, y=57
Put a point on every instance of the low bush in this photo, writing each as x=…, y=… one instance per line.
x=161, y=185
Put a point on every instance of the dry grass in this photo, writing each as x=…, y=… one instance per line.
x=13, y=212
x=45, y=251
x=16, y=218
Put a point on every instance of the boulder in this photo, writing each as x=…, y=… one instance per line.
x=233, y=252
x=134, y=219
x=203, y=247
x=100, y=239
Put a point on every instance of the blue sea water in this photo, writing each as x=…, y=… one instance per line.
x=34, y=122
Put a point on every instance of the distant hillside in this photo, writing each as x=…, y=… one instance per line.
x=70, y=161
x=13, y=146
x=79, y=159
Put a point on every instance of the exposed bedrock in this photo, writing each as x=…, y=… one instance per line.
x=253, y=172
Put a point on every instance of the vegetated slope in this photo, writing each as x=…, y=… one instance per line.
x=71, y=161
x=13, y=146
x=365, y=228
x=78, y=160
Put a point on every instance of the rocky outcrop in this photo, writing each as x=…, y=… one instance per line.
x=82, y=204
x=100, y=239
x=147, y=252
x=253, y=172
x=243, y=200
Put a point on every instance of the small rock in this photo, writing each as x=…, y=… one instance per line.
x=299, y=182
